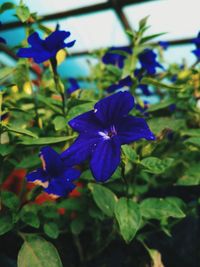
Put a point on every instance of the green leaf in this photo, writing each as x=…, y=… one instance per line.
x=157, y=125
x=18, y=78
x=150, y=37
x=29, y=162
x=10, y=200
x=29, y=215
x=44, y=29
x=114, y=70
x=158, y=208
x=191, y=176
x=45, y=140
x=51, y=229
x=191, y=132
x=129, y=153
x=37, y=252
x=77, y=110
x=161, y=105
x=154, y=82
x=143, y=22
x=77, y=225
x=20, y=131
x=6, y=6
x=156, y=165
x=6, y=150
x=72, y=204
x=128, y=217
x=5, y=224
x=5, y=72
x=104, y=198
x=22, y=12
x=193, y=141
x=59, y=123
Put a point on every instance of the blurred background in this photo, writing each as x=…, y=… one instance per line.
x=103, y=23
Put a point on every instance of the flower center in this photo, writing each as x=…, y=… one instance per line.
x=107, y=134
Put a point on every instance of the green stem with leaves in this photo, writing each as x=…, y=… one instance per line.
x=58, y=87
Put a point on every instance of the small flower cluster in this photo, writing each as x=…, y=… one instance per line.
x=147, y=60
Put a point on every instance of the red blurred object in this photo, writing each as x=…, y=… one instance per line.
x=14, y=182
x=76, y=192
x=36, y=68
x=42, y=198
x=62, y=211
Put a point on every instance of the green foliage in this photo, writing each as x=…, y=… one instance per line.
x=45, y=140
x=51, y=230
x=128, y=216
x=59, y=123
x=22, y=12
x=104, y=198
x=154, y=208
x=10, y=200
x=6, y=6
x=29, y=215
x=37, y=252
x=77, y=226
x=6, y=223
x=156, y=165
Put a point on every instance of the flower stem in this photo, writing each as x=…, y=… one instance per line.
x=124, y=177
x=56, y=81
x=79, y=248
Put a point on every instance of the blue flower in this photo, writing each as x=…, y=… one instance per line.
x=56, y=176
x=113, y=57
x=143, y=108
x=145, y=89
x=126, y=82
x=172, y=108
x=164, y=44
x=42, y=50
x=73, y=85
x=139, y=73
x=148, y=61
x=196, y=41
x=103, y=131
x=2, y=40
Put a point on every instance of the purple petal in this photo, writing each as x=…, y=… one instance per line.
x=164, y=44
x=85, y=123
x=56, y=39
x=39, y=56
x=39, y=177
x=145, y=89
x=70, y=44
x=71, y=174
x=51, y=160
x=81, y=149
x=35, y=41
x=132, y=129
x=59, y=187
x=105, y=159
x=196, y=52
x=73, y=85
x=126, y=82
x=110, y=109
